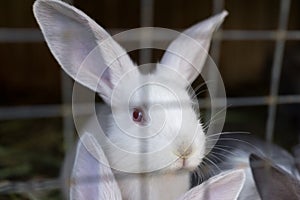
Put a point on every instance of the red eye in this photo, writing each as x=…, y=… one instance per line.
x=137, y=115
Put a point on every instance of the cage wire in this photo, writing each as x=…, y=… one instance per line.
x=280, y=36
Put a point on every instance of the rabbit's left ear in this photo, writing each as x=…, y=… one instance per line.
x=192, y=46
x=84, y=49
x=92, y=177
x=273, y=182
x=225, y=186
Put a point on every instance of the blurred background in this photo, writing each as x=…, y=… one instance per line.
x=257, y=51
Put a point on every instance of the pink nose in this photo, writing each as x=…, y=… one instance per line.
x=185, y=152
x=183, y=162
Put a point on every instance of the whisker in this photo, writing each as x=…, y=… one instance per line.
x=215, y=155
x=241, y=141
x=194, y=175
x=212, y=121
x=228, y=133
x=199, y=175
x=200, y=92
x=225, y=150
x=223, y=146
x=220, y=154
x=215, y=115
x=212, y=163
x=203, y=172
x=202, y=84
x=209, y=170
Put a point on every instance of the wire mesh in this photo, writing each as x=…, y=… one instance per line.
x=30, y=35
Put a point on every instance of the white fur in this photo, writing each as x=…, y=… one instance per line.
x=224, y=186
x=156, y=186
x=88, y=54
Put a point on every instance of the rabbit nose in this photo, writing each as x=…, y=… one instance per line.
x=184, y=152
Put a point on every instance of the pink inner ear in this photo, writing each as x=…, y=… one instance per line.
x=106, y=78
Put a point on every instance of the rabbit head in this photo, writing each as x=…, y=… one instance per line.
x=153, y=114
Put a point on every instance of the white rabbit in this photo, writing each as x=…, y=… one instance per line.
x=92, y=179
x=154, y=134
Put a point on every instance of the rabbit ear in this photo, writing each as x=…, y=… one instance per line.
x=192, y=46
x=273, y=182
x=91, y=177
x=72, y=36
x=225, y=186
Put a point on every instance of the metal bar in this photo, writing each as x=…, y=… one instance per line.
x=12, y=187
x=57, y=110
x=227, y=35
x=68, y=124
x=16, y=35
x=258, y=35
x=146, y=16
x=218, y=6
x=21, y=35
x=276, y=69
x=253, y=101
x=31, y=112
x=262, y=100
x=147, y=7
x=146, y=21
x=30, y=186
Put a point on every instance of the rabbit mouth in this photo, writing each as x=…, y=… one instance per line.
x=189, y=165
x=186, y=164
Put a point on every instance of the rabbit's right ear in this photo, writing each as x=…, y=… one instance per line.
x=83, y=49
x=192, y=46
x=92, y=177
x=273, y=182
x=224, y=186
